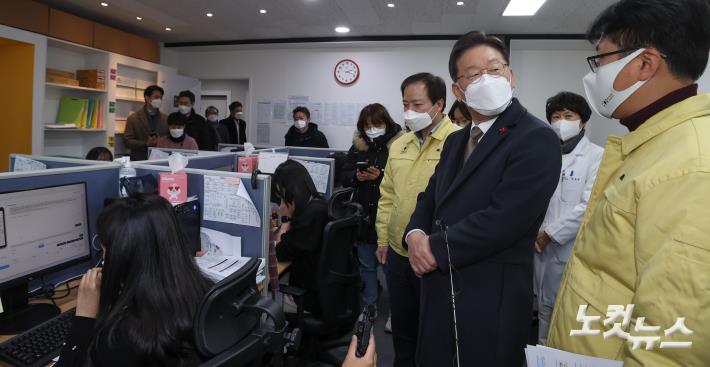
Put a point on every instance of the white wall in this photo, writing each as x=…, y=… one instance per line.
x=278, y=71
x=543, y=68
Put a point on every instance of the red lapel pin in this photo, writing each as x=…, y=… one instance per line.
x=502, y=130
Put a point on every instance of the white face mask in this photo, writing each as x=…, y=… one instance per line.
x=239, y=114
x=599, y=86
x=417, y=121
x=566, y=129
x=176, y=133
x=184, y=109
x=490, y=95
x=212, y=118
x=300, y=124
x=375, y=132
x=156, y=103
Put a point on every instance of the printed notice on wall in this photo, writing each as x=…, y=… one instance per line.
x=320, y=173
x=227, y=201
x=23, y=164
x=263, y=133
x=279, y=113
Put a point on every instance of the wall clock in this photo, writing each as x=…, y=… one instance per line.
x=346, y=72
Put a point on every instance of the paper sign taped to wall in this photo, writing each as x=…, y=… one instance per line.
x=215, y=243
x=227, y=201
x=268, y=161
x=320, y=173
x=23, y=164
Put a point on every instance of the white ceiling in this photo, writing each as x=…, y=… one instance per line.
x=240, y=19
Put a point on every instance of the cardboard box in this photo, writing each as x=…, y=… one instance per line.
x=247, y=164
x=62, y=80
x=173, y=187
x=61, y=73
x=92, y=78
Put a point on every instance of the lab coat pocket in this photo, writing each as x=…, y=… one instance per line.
x=571, y=189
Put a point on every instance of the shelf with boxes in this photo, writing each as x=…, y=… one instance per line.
x=75, y=99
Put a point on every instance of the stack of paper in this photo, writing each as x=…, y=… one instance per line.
x=542, y=356
x=220, y=267
x=80, y=112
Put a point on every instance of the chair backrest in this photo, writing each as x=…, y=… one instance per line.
x=337, y=206
x=339, y=271
x=222, y=319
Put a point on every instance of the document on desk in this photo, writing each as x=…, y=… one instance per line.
x=220, y=267
x=541, y=356
x=23, y=164
x=268, y=161
x=227, y=201
x=320, y=173
x=216, y=243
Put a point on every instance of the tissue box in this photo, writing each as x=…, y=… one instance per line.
x=173, y=187
x=247, y=164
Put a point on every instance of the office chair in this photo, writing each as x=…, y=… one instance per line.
x=229, y=327
x=339, y=292
x=337, y=206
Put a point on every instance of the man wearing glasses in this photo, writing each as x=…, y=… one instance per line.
x=644, y=242
x=482, y=210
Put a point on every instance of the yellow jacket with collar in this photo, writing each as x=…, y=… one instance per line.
x=409, y=167
x=645, y=240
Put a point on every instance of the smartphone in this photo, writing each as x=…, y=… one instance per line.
x=362, y=166
x=3, y=231
x=363, y=329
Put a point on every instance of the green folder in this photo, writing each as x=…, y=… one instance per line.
x=70, y=110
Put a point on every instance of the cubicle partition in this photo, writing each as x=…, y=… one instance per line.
x=56, y=162
x=239, y=147
x=185, y=152
x=101, y=183
x=314, y=152
x=254, y=239
x=322, y=172
x=215, y=161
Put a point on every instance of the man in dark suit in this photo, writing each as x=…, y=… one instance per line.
x=483, y=206
x=235, y=125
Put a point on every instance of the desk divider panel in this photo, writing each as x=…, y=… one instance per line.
x=255, y=240
x=314, y=152
x=101, y=183
x=57, y=162
x=214, y=162
x=331, y=172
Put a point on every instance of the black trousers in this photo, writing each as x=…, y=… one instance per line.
x=403, y=286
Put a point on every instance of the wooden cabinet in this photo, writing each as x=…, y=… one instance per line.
x=25, y=14
x=71, y=28
x=124, y=43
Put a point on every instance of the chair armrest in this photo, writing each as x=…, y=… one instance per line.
x=292, y=291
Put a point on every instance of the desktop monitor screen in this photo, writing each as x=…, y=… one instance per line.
x=42, y=230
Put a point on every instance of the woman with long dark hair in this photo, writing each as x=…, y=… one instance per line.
x=138, y=309
x=364, y=168
x=300, y=237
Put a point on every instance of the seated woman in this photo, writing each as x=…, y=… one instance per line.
x=99, y=154
x=459, y=114
x=138, y=309
x=177, y=138
x=300, y=238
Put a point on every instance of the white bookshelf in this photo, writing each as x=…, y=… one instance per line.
x=71, y=57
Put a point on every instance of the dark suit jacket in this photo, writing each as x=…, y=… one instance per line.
x=237, y=130
x=139, y=126
x=493, y=207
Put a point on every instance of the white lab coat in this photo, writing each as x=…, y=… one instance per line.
x=562, y=221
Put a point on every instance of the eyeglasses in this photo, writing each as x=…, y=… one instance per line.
x=593, y=61
x=495, y=69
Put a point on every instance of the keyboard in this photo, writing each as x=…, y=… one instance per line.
x=39, y=345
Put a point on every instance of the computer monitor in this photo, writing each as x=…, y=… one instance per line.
x=43, y=230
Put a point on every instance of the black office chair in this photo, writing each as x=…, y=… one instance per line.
x=337, y=206
x=339, y=292
x=229, y=327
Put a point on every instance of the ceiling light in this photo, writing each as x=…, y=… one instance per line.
x=209, y=15
x=262, y=11
x=390, y=5
x=522, y=7
x=342, y=29
x=168, y=29
x=460, y=3
x=104, y=4
x=139, y=18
